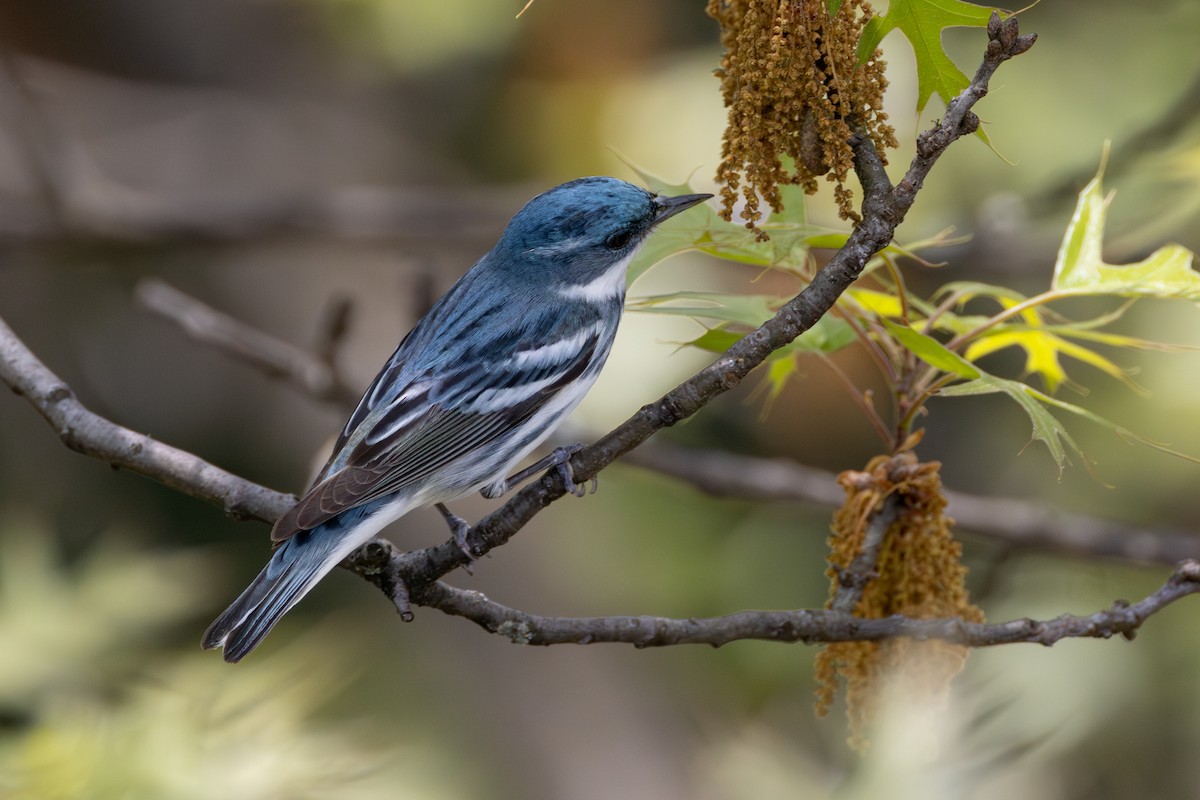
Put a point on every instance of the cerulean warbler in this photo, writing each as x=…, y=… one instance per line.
x=480, y=381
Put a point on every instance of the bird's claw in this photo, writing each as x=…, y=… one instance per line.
x=562, y=464
x=461, y=530
x=559, y=459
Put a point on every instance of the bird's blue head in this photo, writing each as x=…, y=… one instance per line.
x=585, y=232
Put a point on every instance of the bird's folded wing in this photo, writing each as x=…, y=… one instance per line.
x=419, y=436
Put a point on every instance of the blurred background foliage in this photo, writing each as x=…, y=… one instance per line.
x=270, y=157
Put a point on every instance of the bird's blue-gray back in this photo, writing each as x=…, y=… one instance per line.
x=441, y=397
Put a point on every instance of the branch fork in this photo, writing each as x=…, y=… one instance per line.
x=414, y=577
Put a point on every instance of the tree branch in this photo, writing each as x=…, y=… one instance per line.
x=380, y=562
x=805, y=625
x=1016, y=522
x=1012, y=521
x=93, y=435
x=884, y=208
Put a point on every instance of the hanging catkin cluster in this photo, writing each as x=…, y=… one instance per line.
x=793, y=86
x=919, y=574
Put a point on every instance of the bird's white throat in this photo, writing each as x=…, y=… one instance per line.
x=610, y=284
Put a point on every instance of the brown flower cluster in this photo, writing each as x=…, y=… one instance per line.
x=919, y=574
x=794, y=89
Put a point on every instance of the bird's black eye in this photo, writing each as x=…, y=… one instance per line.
x=618, y=240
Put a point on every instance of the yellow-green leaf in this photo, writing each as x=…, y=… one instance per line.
x=1081, y=269
x=1042, y=349
x=1119, y=430
x=1121, y=340
x=778, y=373
x=881, y=304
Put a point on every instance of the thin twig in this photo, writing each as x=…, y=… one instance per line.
x=853, y=580
x=871, y=344
x=273, y=356
x=862, y=399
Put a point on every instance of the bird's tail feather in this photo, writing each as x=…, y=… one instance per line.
x=295, y=568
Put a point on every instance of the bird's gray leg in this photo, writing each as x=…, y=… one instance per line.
x=459, y=527
x=560, y=459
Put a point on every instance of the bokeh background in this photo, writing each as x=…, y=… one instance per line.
x=279, y=157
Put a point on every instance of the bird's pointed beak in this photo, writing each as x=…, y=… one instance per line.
x=670, y=206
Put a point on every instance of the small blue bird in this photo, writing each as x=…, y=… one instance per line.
x=480, y=381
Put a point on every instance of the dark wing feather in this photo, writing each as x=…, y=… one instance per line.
x=425, y=443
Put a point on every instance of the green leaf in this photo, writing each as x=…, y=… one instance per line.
x=778, y=373
x=1119, y=430
x=829, y=335
x=933, y=352
x=750, y=310
x=1046, y=427
x=835, y=240
x=715, y=340
x=921, y=22
x=702, y=229
x=793, y=204
x=1080, y=268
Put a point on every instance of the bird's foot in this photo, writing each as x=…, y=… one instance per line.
x=461, y=529
x=559, y=458
x=562, y=463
